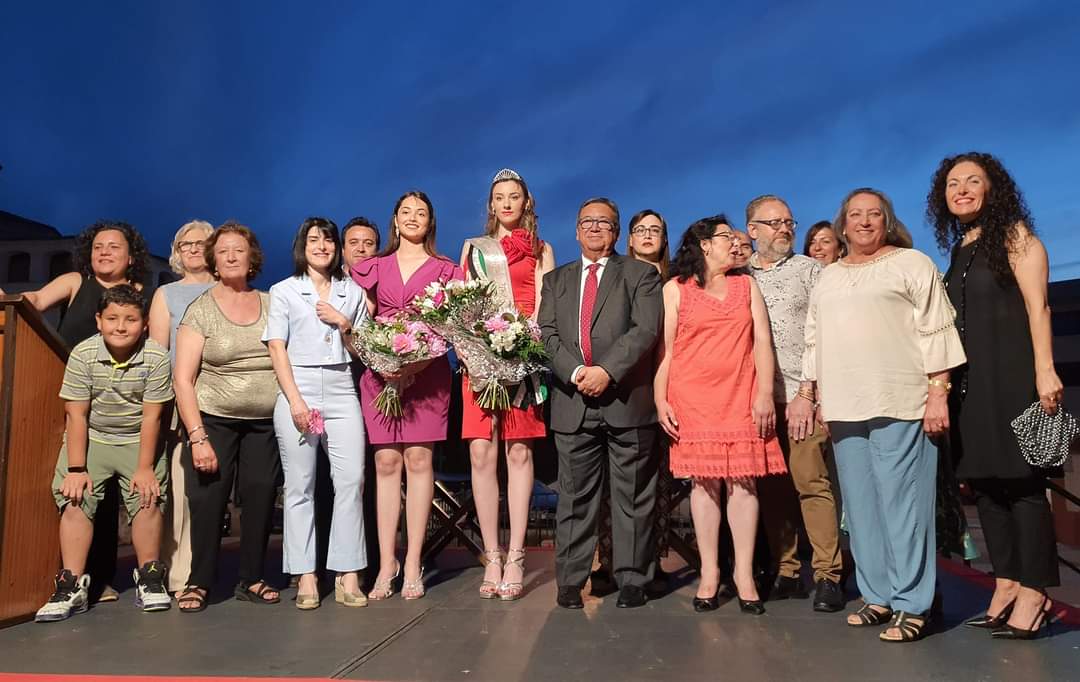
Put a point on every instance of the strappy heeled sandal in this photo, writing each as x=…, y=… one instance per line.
x=414, y=589
x=489, y=589
x=384, y=589
x=869, y=616
x=910, y=630
x=346, y=598
x=512, y=591
x=1043, y=618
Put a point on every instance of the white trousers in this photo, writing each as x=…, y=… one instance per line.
x=332, y=392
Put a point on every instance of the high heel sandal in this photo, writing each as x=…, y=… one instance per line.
x=308, y=602
x=384, y=589
x=988, y=622
x=413, y=589
x=489, y=589
x=512, y=591
x=1007, y=631
x=346, y=598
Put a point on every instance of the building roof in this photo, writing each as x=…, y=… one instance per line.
x=14, y=227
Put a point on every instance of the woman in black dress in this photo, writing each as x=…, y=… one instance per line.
x=106, y=254
x=997, y=282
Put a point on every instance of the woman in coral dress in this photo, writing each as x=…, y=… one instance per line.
x=714, y=398
x=392, y=280
x=515, y=259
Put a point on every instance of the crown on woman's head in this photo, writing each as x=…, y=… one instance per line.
x=506, y=174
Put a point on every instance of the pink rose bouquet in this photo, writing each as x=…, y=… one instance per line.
x=390, y=342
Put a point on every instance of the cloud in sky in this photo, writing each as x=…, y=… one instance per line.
x=269, y=112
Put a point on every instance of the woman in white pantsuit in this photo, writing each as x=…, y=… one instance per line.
x=309, y=334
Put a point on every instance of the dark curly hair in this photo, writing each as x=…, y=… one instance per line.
x=255, y=255
x=689, y=259
x=1003, y=210
x=137, y=251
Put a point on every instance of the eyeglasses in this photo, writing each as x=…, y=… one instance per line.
x=642, y=230
x=596, y=225
x=729, y=236
x=778, y=222
x=190, y=246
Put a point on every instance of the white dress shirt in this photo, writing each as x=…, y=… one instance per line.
x=292, y=319
x=585, y=263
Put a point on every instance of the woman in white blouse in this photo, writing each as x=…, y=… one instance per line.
x=880, y=342
x=309, y=333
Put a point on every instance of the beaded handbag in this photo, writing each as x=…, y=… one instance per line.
x=1045, y=438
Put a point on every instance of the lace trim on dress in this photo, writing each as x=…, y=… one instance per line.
x=880, y=258
x=939, y=330
x=720, y=459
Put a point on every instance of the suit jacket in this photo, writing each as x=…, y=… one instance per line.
x=626, y=324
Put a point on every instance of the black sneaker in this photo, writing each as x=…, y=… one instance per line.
x=789, y=588
x=150, y=592
x=70, y=597
x=828, y=596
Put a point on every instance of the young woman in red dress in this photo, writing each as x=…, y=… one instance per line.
x=512, y=256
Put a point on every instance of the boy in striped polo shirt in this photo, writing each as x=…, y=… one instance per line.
x=116, y=385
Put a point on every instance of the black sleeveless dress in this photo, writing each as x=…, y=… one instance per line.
x=79, y=321
x=998, y=382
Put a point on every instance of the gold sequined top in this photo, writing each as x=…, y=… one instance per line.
x=236, y=378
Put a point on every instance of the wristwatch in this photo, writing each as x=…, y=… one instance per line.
x=76, y=470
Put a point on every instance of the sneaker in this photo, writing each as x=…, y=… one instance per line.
x=150, y=592
x=71, y=597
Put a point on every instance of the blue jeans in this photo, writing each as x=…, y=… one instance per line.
x=888, y=473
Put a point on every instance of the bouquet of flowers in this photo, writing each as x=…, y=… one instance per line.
x=500, y=347
x=388, y=343
x=316, y=426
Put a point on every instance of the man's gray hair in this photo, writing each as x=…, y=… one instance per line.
x=756, y=203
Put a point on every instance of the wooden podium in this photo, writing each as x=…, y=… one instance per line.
x=32, y=359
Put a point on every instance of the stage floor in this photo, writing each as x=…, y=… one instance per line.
x=453, y=635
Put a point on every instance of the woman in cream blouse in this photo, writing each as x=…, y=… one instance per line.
x=880, y=342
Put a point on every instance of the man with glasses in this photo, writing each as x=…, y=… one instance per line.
x=786, y=279
x=600, y=317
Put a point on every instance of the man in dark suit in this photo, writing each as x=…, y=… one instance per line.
x=601, y=318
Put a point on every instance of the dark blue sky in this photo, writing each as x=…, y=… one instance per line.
x=268, y=112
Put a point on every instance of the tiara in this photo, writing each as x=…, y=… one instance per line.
x=505, y=174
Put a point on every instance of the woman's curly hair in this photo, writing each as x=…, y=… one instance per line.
x=1003, y=210
x=140, y=257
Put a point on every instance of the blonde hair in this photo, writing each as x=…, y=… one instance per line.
x=175, y=262
x=529, y=221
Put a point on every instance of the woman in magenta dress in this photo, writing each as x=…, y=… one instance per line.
x=392, y=279
x=512, y=256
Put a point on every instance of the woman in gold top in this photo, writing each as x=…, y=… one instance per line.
x=225, y=392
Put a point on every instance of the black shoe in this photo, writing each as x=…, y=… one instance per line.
x=703, y=604
x=569, y=597
x=988, y=622
x=789, y=588
x=828, y=596
x=631, y=597
x=1006, y=631
x=601, y=583
x=754, y=607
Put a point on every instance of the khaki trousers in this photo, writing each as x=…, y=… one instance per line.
x=807, y=488
x=176, y=533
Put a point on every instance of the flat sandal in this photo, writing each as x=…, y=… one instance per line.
x=869, y=616
x=910, y=631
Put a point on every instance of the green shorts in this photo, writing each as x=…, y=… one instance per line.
x=102, y=463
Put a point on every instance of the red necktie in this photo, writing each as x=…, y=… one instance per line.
x=588, y=300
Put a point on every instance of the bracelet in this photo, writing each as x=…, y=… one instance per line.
x=809, y=395
x=946, y=385
x=77, y=470
x=202, y=440
x=195, y=430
